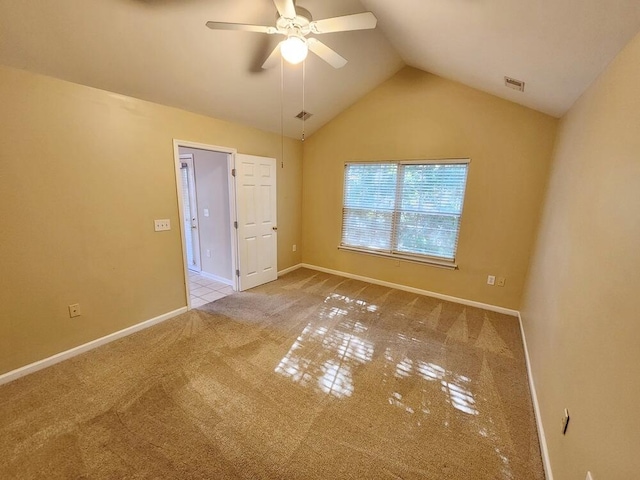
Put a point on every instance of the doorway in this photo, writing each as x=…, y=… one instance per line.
x=206, y=198
x=225, y=248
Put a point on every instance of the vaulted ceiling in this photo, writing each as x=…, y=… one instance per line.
x=557, y=47
x=160, y=50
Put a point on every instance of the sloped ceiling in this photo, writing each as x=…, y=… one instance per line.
x=557, y=47
x=160, y=50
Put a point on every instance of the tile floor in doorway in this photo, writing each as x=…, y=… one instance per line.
x=204, y=290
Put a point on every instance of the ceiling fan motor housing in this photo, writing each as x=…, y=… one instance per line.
x=299, y=26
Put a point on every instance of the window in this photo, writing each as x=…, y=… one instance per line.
x=404, y=209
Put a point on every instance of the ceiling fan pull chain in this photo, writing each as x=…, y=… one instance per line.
x=304, y=76
x=281, y=112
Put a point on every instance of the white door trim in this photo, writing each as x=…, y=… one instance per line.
x=231, y=161
x=194, y=221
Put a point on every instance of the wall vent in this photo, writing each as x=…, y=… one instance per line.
x=304, y=115
x=513, y=83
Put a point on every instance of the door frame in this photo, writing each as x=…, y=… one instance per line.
x=193, y=202
x=231, y=162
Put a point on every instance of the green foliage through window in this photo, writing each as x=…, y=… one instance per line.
x=404, y=208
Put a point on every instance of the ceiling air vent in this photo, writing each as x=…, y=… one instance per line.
x=513, y=83
x=304, y=115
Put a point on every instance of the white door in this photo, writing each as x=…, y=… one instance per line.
x=257, y=226
x=190, y=214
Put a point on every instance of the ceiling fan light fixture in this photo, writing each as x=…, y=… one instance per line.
x=294, y=49
x=296, y=23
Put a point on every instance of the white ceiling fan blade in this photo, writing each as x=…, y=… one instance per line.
x=241, y=26
x=358, y=21
x=273, y=59
x=286, y=8
x=325, y=53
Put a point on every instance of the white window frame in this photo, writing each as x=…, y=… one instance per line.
x=418, y=258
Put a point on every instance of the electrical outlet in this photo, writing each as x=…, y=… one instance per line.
x=208, y=253
x=74, y=310
x=500, y=281
x=565, y=421
x=162, y=225
x=295, y=248
x=491, y=280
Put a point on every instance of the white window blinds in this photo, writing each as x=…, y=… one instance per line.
x=404, y=208
x=369, y=204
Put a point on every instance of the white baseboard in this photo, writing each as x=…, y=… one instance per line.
x=289, y=270
x=211, y=276
x=397, y=286
x=536, y=407
x=59, y=357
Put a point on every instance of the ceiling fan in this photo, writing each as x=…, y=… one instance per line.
x=296, y=23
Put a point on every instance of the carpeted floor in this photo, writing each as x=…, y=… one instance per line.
x=313, y=376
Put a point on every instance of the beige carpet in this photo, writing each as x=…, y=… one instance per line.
x=313, y=376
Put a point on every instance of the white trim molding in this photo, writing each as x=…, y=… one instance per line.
x=432, y=262
x=544, y=450
x=60, y=357
x=397, y=286
x=211, y=276
x=290, y=269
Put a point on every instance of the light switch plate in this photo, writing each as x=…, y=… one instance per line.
x=206, y=212
x=162, y=225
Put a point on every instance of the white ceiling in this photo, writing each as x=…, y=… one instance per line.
x=160, y=50
x=557, y=47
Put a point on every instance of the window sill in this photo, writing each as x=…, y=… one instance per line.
x=433, y=262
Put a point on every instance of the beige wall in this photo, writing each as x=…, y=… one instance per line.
x=83, y=174
x=580, y=311
x=415, y=115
